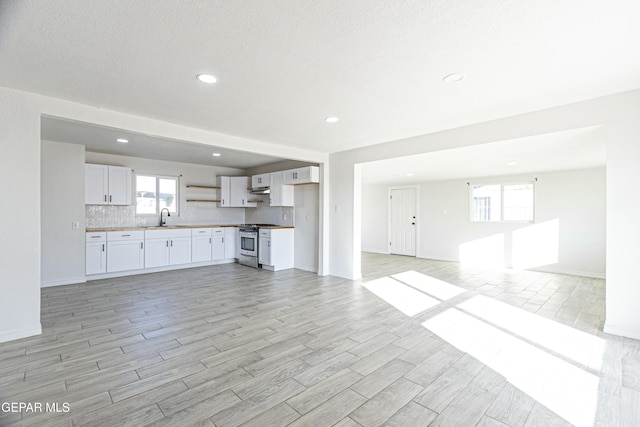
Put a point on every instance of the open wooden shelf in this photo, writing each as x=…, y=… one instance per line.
x=213, y=187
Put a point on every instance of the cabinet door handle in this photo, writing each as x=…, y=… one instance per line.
x=126, y=235
x=103, y=247
x=172, y=243
x=223, y=240
x=141, y=247
x=96, y=237
x=105, y=197
x=209, y=240
x=167, y=243
x=110, y=198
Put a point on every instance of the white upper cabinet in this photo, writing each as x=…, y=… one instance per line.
x=234, y=192
x=281, y=195
x=263, y=180
x=306, y=175
x=107, y=185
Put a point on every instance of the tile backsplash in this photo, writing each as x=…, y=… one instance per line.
x=101, y=216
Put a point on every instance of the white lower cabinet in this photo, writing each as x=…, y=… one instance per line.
x=156, y=252
x=275, y=248
x=167, y=247
x=109, y=252
x=96, y=253
x=217, y=238
x=230, y=234
x=264, y=248
x=201, y=244
x=125, y=250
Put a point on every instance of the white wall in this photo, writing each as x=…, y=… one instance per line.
x=20, y=215
x=623, y=227
x=375, y=218
x=62, y=203
x=190, y=212
x=575, y=199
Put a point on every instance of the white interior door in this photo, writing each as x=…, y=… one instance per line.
x=403, y=221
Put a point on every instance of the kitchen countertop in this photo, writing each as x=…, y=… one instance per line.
x=172, y=227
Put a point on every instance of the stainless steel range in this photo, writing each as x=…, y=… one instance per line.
x=249, y=244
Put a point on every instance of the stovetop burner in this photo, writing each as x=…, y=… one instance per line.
x=254, y=227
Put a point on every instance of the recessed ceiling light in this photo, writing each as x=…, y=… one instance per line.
x=409, y=174
x=207, y=78
x=453, y=78
x=512, y=163
x=331, y=119
x=122, y=140
x=216, y=154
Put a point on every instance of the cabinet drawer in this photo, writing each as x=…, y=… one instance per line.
x=167, y=234
x=200, y=232
x=96, y=236
x=264, y=233
x=125, y=235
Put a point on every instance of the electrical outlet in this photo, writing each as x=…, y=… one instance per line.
x=75, y=225
x=284, y=217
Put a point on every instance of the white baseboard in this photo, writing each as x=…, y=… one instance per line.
x=623, y=332
x=71, y=281
x=20, y=333
x=348, y=276
x=571, y=272
x=311, y=269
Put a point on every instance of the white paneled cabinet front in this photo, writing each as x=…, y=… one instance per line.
x=305, y=175
x=230, y=242
x=156, y=252
x=107, y=185
x=125, y=250
x=201, y=244
x=262, y=180
x=167, y=247
x=96, y=253
x=217, y=239
x=281, y=194
x=234, y=192
x=275, y=248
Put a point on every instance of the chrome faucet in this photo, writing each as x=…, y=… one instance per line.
x=163, y=222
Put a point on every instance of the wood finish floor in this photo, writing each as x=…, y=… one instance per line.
x=415, y=343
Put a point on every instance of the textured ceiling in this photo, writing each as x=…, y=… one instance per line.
x=283, y=66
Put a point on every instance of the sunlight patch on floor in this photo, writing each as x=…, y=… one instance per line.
x=429, y=285
x=584, y=348
x=567, y=390
x=405, y=298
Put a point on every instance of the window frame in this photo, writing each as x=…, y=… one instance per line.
x=502, y=186
x=157, y=179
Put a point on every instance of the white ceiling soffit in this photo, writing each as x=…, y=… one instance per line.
x=101, y=139
x=285, y=66
x=575, y=149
